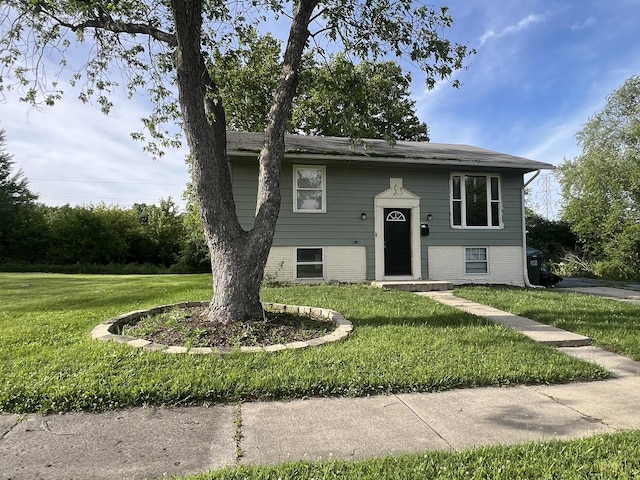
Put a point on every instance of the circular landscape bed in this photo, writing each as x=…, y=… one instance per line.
x=181, y=328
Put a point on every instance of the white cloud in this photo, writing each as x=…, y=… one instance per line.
x=512, y=29
x=74, y=154
x=584, y=24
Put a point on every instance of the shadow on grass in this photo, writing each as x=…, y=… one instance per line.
x=435, y=320
x=364, y=305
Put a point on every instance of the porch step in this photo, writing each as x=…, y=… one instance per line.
x=416, y=286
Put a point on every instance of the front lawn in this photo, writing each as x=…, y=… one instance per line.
x=613, y=325
x=402, y=343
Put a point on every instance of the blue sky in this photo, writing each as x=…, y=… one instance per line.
x=542, y=68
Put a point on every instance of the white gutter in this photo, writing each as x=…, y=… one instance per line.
x=525, y=260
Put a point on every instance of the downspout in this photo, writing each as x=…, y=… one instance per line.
x=525, y=260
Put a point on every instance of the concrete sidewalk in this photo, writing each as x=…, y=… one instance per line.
x=152, y=442
x=149, y=443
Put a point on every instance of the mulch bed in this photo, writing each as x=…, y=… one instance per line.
x=190, y=327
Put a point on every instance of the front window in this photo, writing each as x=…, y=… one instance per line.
x=475, y=260
x=309, y=185
x=309, y=263
x=475, y=201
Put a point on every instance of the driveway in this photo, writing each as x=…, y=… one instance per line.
x=594, y=282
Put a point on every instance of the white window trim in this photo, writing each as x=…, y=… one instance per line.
x=463, y=204
x=473, y=274
x=295, y=188
x=296, y=263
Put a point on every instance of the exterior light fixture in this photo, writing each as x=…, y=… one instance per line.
x=429, y=217
x=363, y=216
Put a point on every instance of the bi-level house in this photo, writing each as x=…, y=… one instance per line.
x=374, y=211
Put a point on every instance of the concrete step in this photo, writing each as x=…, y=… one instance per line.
x=415, y=285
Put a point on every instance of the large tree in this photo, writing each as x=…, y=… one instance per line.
x=164, y=45
x=601, y=187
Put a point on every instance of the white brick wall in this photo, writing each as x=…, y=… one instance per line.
x=342, y=264
x=346, y=264
x=281, y=264
x=505, y=266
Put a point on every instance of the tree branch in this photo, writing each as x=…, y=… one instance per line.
x=115, y=26
x=123, y=27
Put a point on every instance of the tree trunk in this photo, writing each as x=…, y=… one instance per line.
x=238, y=270
x=238, y=257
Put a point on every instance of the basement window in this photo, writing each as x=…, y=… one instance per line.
x=476, y=260
x=309, y=263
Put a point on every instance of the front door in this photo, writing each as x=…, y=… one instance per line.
x=397, y=241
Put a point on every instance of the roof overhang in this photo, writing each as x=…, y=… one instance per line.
x=299, y=147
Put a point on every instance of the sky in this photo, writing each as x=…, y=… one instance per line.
x=542, y=69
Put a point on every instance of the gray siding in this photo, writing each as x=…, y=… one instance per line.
x=351, y=188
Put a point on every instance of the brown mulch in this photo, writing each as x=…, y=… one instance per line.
x=190, y=327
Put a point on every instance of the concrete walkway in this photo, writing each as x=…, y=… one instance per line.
x=153, y=442
x=538, y=332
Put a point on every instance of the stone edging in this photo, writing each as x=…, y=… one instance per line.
x=105, y=331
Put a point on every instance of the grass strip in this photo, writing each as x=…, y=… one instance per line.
x=600, y=457
x=401, y=343
x=613, y=325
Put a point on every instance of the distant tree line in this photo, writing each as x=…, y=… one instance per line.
x=81, y=238
x=154, y=238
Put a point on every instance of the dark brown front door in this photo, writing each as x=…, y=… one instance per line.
x=397, y=241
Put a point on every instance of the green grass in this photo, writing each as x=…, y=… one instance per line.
x=601, y=457
x=613, y=325
x=402, y=343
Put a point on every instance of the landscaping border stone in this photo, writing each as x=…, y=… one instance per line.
x=108, y=331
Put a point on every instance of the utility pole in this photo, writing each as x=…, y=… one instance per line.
x=546, y=190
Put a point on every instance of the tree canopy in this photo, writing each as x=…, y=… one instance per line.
x=164, y=48
x=601, y=187
x=335, y=96
x=364, y=100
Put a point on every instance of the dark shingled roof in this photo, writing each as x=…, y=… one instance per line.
x=303, y=146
